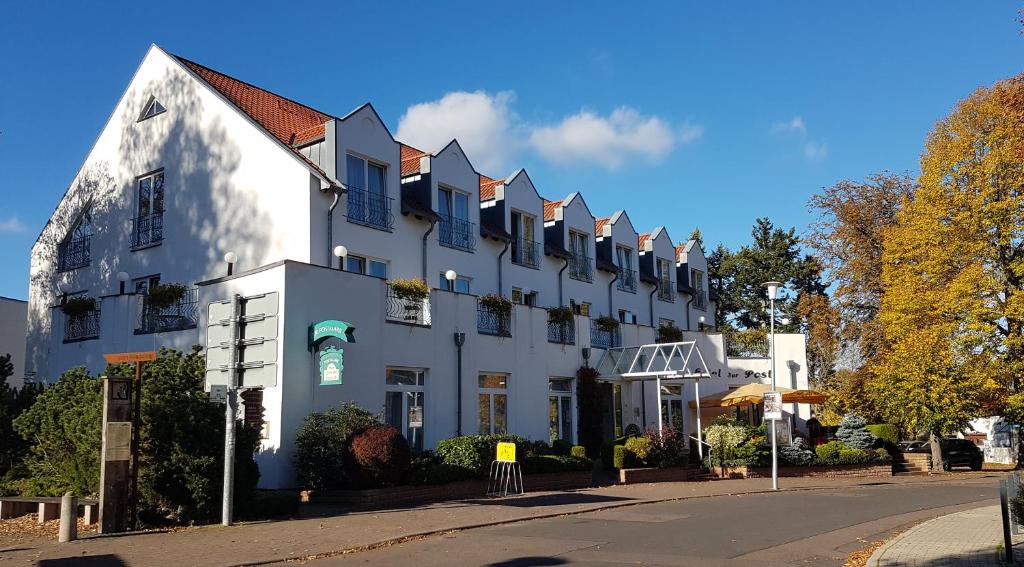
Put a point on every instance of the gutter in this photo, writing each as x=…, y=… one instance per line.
x=688, y=302
x=610, y=284
x=560, y=303
x=503, y=251
x=330, y=226
x=650, y=301
x=425, y=235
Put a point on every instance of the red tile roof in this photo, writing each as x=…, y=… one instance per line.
x=679, y=250
x=642, y=240
x=310, y=134
x=549, y=209
x=487, y=187
x=411, y=159
x=599, y=225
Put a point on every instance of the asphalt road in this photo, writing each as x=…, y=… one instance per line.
x=817, y=528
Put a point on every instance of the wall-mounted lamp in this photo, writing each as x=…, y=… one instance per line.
x=122, y=278
x=63, y=288
x=341, y=252
x=231, y=258
x=451, y=276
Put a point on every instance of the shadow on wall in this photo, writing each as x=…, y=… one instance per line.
x=205, y=211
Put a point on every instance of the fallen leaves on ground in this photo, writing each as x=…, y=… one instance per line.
x=860, y=557
x=26, y=527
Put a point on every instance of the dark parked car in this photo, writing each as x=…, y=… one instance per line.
x=955, y=452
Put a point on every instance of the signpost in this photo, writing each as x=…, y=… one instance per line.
x=241, y=341
x=132, y=431
x=331, y=358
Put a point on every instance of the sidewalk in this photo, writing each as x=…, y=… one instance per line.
x=968, y=538
x=353, y=530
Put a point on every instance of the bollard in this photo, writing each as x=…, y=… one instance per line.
x=68, y=518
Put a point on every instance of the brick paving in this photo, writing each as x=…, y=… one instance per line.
x=971, y=537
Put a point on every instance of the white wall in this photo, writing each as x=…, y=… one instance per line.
x=13, y=321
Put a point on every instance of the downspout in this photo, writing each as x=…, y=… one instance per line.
x=650, y=301
x=330, y=227
x=611, y=306
x=503, y=250
x=688, y=302
x=560, y=281
x=425, y=235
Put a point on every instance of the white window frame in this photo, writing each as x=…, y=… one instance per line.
x=490, y=393
x=405, y=389
x=559, y=395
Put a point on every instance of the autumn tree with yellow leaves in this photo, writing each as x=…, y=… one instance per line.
x=952, y=310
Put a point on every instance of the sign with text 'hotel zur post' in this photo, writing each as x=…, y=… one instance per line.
x=331, y=358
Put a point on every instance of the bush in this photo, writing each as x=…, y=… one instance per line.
x=76, y=306
x=476, y=452
x=497, y=304
x=561, y=316
x=13, y=402
x=620, y=459
x=887, y=432
x=436, y=472
x=640, y=448
x=669, y=334
x=376, y=456
x=839, y=453
x=554, y=463
x=409, y=289
x=828, y=453
x=853, y=431
x=724, y=439
x=162, y=296
x=797, y=454
x=578, y=451
x=667, y=449
x=320, y=445
x=561, y=447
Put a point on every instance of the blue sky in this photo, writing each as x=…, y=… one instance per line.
x=684, y=114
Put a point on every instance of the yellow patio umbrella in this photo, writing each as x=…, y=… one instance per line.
x=754, y=394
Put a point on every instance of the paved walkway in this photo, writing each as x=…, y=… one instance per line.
x=971, y=537
x=344, y=531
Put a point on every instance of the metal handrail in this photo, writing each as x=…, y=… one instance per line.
x=147, y=229
x=81, y=327
x=665, y=291
x=454, y=232
x=72, y=254
x=405, y=310
x=525, y=252
x=580, y=267
x=491, y=322
x=368, y=208
x=600, y=338
x=562, y=334
x=626, y=280
x=183, y=314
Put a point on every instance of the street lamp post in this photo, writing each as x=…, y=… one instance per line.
x=773, y=290
x=341, y=253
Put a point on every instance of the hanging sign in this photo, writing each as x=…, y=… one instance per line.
x=773, y=406
x=506, y=452
x=323, y=330
x=331, y=359
x=331, y=364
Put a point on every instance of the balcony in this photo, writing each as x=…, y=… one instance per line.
x=666, y=290
x=581, y=268
x=409, y=311
x=526, y=253
x=369, y=209
x=456, y=233
x=491, y=321
x=72, y=254
x=561, y=334
x=181, y=315
x=604, y=338
x=82, y=327
x=626, y=280
x=147, y=230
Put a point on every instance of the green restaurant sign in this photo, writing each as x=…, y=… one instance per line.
x=331, y=358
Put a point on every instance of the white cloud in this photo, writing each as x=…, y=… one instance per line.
x=608, y=141
x=481, y=122
x=12, y=224
x=794, y=125
x=815, y=150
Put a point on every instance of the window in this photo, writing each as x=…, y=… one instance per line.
x=627, y=276
x=531, y=299
x=579, y=263
x=142, y=285
x=700, y=299
x=517, y=296
x=367, y=197
x=148, y=225
x=366, y=266
x=460, y=285
x=493, y=404
x=525, y=249
x=582, y=308
x=672, y=406
x=454, y=228
x=560, y=410
x=404, y=403
x=627, y=316
x=74, y=251
x=665, y=291
x=663, y=322
x=152, y=108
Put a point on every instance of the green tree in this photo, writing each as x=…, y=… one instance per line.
x=697, y=236
x=13, y=401
x=719, y=285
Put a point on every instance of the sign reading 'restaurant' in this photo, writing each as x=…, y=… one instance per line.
x=332, y=357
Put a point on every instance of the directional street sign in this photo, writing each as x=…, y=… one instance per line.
x=254, y=350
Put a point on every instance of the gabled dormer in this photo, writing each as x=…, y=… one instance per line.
x=512, y=208
x=616, y=241
x=691, y=267
x=570, y=224
x=657, y=262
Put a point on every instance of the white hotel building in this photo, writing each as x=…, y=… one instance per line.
x=193, y=164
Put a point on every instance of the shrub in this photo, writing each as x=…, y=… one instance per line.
x=853, y=431
x=320, y=445
x=13, y=402
x=839, y=453
x=796, y=454
x=606, y=323
x=561, y=447
x=436, y=472
x=162, y=296
x=409, y=289
x=376, y=456
x=828, y=453
x=476, y=452
x=561, y=316
x=667, y=449
x=578, y=451
x=621, y=456
x=554, y=463
x=724, y=439
x=75, y=306
x=887, y=432
x=497, y=304
x=669, y=334
x=640, y=448
x=750, y=453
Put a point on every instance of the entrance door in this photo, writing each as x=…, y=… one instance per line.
x=403, y=404
x=560, y=410
x=672, y=406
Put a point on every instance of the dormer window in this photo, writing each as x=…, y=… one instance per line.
x=367, y=196
x=665, y=291
x=627, y=275
x=580, y=267
x=525, y=248
x=73, y=252
x=153, y=107
x=454, y=228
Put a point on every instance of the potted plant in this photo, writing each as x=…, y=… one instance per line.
x=409, y=289
x=607, y=323
x=497, y=304
x=78, y=306
x=561, y=316
x=669, y=334
x=162, y=296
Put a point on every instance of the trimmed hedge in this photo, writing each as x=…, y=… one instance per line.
x=476, y=452
x=886, y=432
x=554, y=463
x=620, y=457
x=578, y=451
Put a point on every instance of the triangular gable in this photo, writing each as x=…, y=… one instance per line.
x=526, y=177
x=376, y=117
x=453, y=147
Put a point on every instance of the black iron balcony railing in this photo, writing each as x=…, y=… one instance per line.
x=581, y=268
x=183, y=314
x=561, y=334
x=491, y=322
x=526, y=252
x=369, y=209
x=82, y=327
x=666, y=290
x=407, y=310
x=147, y=230
x=626, y=281
x=604, y=338
x=454, y=232
x=73, y=254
